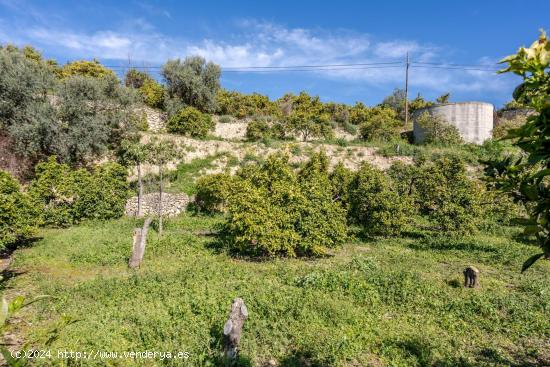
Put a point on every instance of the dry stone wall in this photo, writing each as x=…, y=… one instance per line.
x=172, y=204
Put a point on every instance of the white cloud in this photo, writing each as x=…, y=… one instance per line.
x=256, y=43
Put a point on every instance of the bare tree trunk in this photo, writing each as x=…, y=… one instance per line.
x=140, y=190
x=233, y=329
x=140, y=240
x=160, y=201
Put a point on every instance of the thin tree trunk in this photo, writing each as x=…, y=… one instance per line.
x=140, y=190
x=160, y=201
x=140, y=241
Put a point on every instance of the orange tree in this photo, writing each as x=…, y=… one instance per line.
x=528, y=178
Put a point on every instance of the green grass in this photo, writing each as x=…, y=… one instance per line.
x=384, y=302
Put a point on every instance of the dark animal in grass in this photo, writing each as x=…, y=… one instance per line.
x=471, y=277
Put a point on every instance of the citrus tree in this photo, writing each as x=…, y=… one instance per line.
x=528, y=178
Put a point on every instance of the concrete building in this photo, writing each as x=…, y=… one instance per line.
x=474, y=120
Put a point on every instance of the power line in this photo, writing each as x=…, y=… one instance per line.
x=272, y=67
x=263, y=71
x=450, y=68
x=457, y=65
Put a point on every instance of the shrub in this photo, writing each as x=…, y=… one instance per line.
x=245, y=105
x=92, y=69
x=135, y=78
x=257, y=130
x=213, y=192
x=359, y=113
x=70, y=196
x=338, y=112
x=309, y=126
x=306, y=117
x=18, y=217
x=340, y=180
x=225, y=119
x=273, y=212
x=375, y=204
x=436, y=131
x=153, y=93
x=105, y=195
x=501, y=130
x=194, y=82
x=191, y=122
x=349, y=128
x=381, y=125
x=448, y=196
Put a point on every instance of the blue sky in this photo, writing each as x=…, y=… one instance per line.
x=286, y=33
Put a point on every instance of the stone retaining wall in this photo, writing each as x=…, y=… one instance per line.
x=172, y=204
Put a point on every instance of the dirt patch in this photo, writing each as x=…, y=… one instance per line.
x=231, y=131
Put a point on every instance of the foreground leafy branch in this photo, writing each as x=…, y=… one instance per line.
x=528, y=178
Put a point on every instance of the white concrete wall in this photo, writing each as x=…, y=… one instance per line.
x=474, y=120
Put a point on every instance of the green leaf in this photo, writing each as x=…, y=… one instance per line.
x=10, y=361
x=542, y=174
x=530, y=191
x=16, y=304
x=531, y=229
x=530, y=261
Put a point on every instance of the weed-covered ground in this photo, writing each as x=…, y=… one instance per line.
x=385, y=302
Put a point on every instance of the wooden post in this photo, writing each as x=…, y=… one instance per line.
x=471, y=277
x=140, y=240
x=233, y=328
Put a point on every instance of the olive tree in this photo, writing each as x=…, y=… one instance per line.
x=77, y=118
x=193, y=82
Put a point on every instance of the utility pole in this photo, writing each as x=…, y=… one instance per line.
x=407, y=90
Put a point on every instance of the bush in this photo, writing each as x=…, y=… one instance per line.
x=501, y=130
x=193, y=82
x=382, y=124
x=274, y=212
x=309, y=126
x=436, y=131
x=18, y=217
x=340, y=180
x=226, y=119
x=153, y=93
x=135, y=78
x=448, y=196
x=338, y=112
x=213, y=192
x=70, y=196
x=375, y=204
x=92, y=69
x=241, y=105
x=349, y=128
x=359, y=114
x=191, y=122
x=257, y=130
